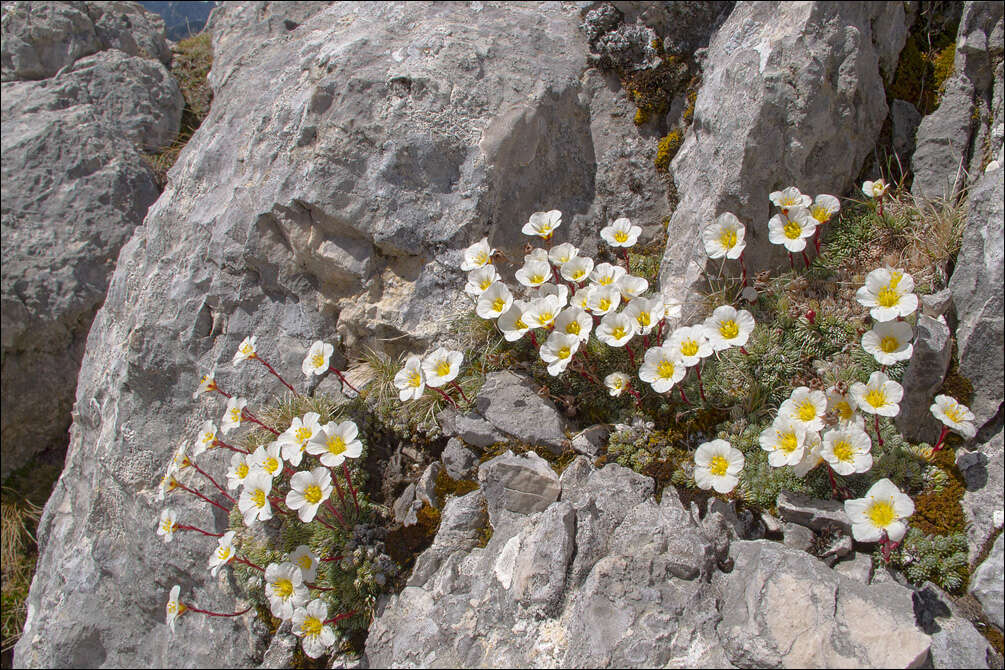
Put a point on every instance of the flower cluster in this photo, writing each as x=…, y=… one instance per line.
x=799, y=218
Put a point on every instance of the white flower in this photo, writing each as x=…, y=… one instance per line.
x=577, y=269
x=884, y=508
x=180, y=457
x=542, y=312
x=606, y=274
x=562, y=254
x=494, y=301
x=511, y=322
x=992, y=166
x=615, y=330
x=728, y=327
x=621, y=233
x=575, y=321
x=784, y=440
x=603, y=299
x=239, y=470
x=317, y=360
x=409, y=380
x=644, y=313
x=233, y=415
x=205, y=439
x=534, y=273
x=824, y=207
x=716, y=466
x=889, y=294
x=442, y=366
x=875, y=189
x=954, y=414
x=175, y=608
x=806, y=407
x=206, y=385
x=790, y=198
x=791, y=229
x=308, y=490
x=848, y=449
x=543, y=224
x=672, y=308
x=480, y=279
x=561, y=292
x=266, y=458
x=662, y=367
x=477, y=255
x=167, y=524
x=168, y=481
x=246, y=350
x=889, y=342
x=284, y=587
x=880, y=396
x=691, y=343
x=223, y=554
x=724, y=237
x=558, y=350
x=631, y=286
x=254, y=501
x=306, y=560
x=537, y=255
x=811, y=455
x=309, y=626
x=840, y=404
x=293, y=441
x=336, y=442
x=616, y=383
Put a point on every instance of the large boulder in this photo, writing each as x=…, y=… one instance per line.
x=792, y=95
x=351, y=153
x=75, y=186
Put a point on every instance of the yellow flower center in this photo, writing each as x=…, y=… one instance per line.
x=888, y=296
x=283, y=588
x=536, y=279
x=689, y=347
x=718, y=466
x=844, y=410
x=208, y=438
x=303, y=434
x=889, y=344
x=954, y=414
x=788, y=442
x=881, y=513
x=544, y=229
x=728, y=329
x=617, y=383
x=789, y=201
x=312, y=494
x=520, y=325
x=258, y=497
x=605, y=304
x=572, y=328
x=271, y=465
x=644, y=319
x=793, y=230
x=318, y=360
x=606, y=280
x=167, y=526
x=578, y=274
x=728, y=239
x=443, y=368
x=620, y=236
x=497, y=306
x=336, y=445
x=311, y=627
x=665, y=369
x=241, y=470
x=304, y=562
x=544, y=318
x=876, y=397
x=415, y=380
x=481, y=258
x=223, y=553
x=619, y=332
x=235, y=415
x=247, y=349
x=844, y=452
x=877, y=189
x=820, y=213
x=895, y=278
x=564, y=353
x=807, y=411
x=485, y=284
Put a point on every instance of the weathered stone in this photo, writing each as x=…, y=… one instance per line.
x=857, y=568
x=987, y=584
x=461, y=525
x=983, y=473
x=591, y=441
x=937, y=304
x=425, y=488
x=574, y=477
x=798, y=537
x=978, y=297
x=904, y=121
x=763, y=120
x=840, y=546
x=812, y=512
x=518, y=485
x=511, y=404
x=281, y=649
x=772, y=525
x=471, y=428
x=943, y=142
x=545, y=550
x=933, y=349
x=723, y=523
x=406, y=506
x=955, y=641
x=783, y=608
x=459, y=461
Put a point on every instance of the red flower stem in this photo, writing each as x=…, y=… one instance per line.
x=219, y=614
x=744, y=351
x=624, y=254
x=879, y=437
x=806, y=259
x=179, y=526
x=682, y=396
x=659, y=332
x=554, y=273
x=338, y=488
x=199, y=495
x=335, y=512
x=533, y=339
x=463, y=394
x=743, y=268
x=881, y=205
x=244, y=561
x=342, y=378
x=218, y=443
x=816, y=239
x=332, y=559
x=645, y=341
x=251, y=417
x=701, y=387
x=221, y=391
x=631, y=354
x=274, y=373
x=942, y=437
x=324, y=523
x=277, y=504
x=834, y=486
x=213, y=481
x=445, y=396
x=315, y=587
x=336, y=619
x=792, y=263
x=352, y=489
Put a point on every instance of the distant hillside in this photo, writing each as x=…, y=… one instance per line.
x=181, y=19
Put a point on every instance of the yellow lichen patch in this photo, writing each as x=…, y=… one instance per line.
x=667, y=149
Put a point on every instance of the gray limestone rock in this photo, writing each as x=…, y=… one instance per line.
x=933, y=349
x=425, y=488
x=546, y=548
x=763, y=121
x=943, y=142
x=983, y=473
x=987, y=584
x=511, y=404
x=406, y=506
x=857, y=568
x=461, y=523
x=517, y=485
x=937, y=304
x=904, y=121
x=459, y=461
x=471, y=428
x=281, y=648
x=812, y=512
x=798, y=537
x=956, y=643
x=591, y=441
